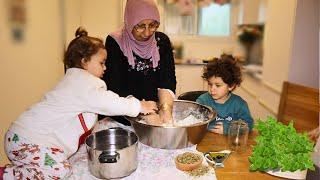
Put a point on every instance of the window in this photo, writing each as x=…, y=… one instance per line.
x=212, y=20
x=175, y=23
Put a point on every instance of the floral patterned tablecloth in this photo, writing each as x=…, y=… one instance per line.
x=153, y=163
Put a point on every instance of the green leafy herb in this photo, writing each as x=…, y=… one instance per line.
x=280, y=147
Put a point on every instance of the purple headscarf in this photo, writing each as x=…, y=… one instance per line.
x=136, y=11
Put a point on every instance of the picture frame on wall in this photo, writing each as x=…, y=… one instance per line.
x=17, y=19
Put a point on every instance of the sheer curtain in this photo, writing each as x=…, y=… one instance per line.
x=175, y=23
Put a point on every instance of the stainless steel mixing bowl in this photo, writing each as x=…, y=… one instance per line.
x=175, y=137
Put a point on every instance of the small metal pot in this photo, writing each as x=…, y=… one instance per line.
x=112, y=153
x=176, y=137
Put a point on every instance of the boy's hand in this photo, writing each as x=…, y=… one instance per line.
x=148, y=107
x=218, y=128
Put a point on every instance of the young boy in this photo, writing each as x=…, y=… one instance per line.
x=223, y=75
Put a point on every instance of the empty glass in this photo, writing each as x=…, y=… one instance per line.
x=238, y=136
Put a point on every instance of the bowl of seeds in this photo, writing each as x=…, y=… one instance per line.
x=188, y=161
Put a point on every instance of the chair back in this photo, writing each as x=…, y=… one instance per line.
x=191, y=95
x=299, y=104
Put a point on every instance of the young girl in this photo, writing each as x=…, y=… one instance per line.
x=41, y=140
x=223, y=75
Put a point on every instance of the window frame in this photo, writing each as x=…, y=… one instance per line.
x=234, y=15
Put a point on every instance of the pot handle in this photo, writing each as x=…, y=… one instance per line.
x=109, y=157
x=115, y=128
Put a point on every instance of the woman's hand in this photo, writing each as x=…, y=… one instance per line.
x=148, y=107
x=218, y=128
x=166, y=116
x=165, y=105
x=165, y=113
x=153, y=119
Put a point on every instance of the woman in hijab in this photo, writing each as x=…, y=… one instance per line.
x=140, y=60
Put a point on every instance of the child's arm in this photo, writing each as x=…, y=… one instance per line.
x=111, y=104
x=213, y=127
x=217, y=128
x=245, y=115
x=148, y=107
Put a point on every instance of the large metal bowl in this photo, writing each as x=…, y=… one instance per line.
x=175, y=137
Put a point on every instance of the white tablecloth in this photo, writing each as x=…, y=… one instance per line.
x=153, y=163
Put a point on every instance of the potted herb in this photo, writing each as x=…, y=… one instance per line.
x=248, y=35
x=280, y=150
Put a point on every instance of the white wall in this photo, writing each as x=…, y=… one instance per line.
x=31, y=67
x=250, y=11
x=72, y=19
x=278, y=37
x=98, y=17
x=101, y=17
x=205, y=47
x=304, y=66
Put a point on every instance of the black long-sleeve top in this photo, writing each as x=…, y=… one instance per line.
x=142, y=81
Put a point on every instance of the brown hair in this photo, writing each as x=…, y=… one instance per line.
x=81, y=47
x=225, y=67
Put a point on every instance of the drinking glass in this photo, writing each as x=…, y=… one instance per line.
x=238, y=136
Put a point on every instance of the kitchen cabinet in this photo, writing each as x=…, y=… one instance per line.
x=189, y=78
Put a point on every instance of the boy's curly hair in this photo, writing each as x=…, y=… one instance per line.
x=225, y=67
